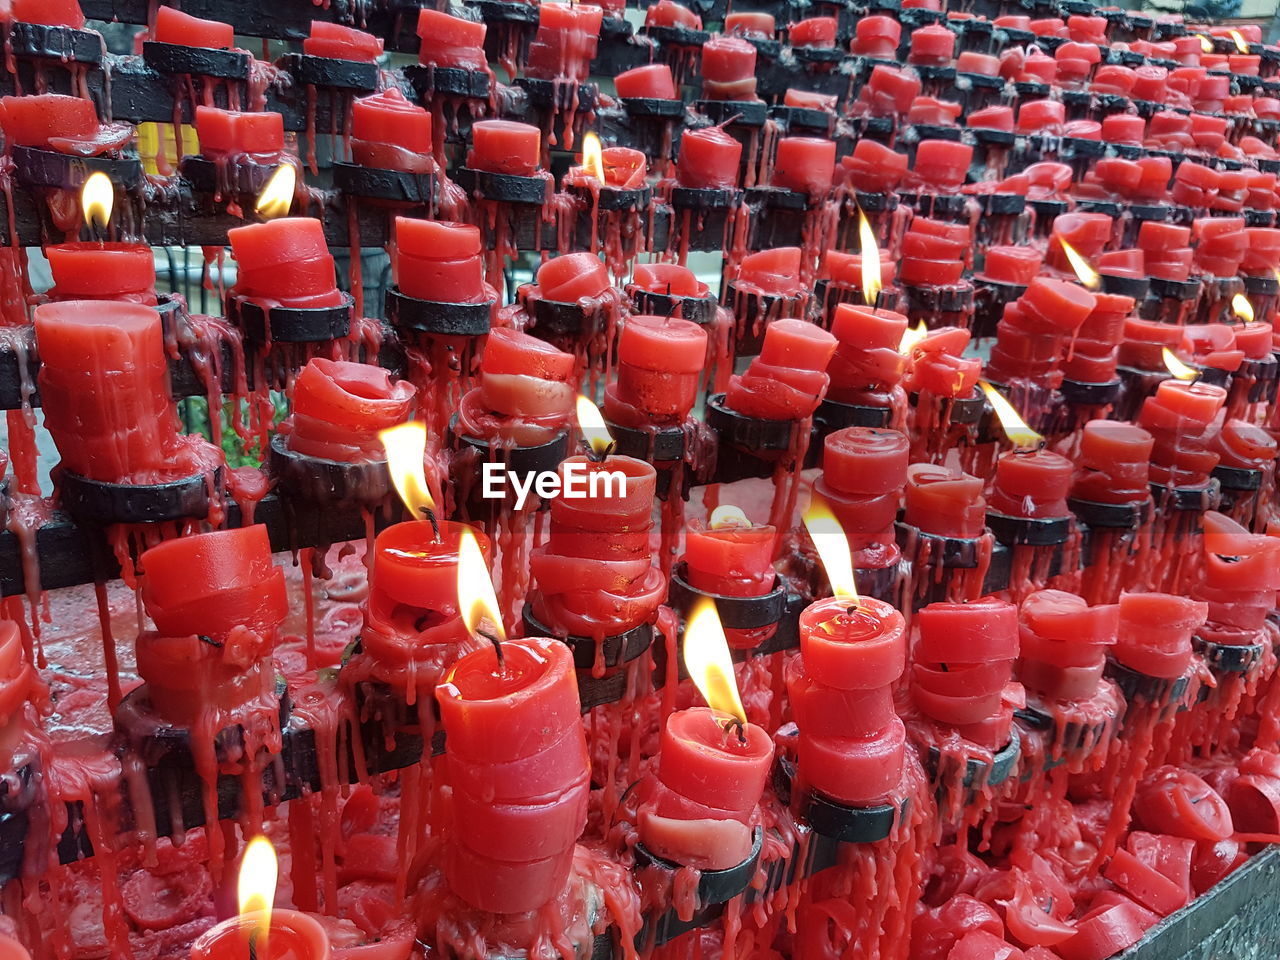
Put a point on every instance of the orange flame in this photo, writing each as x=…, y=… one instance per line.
x=829, y=540
x=1015, y=428
x=406, y=447
x=710, y=665
x=97, y=198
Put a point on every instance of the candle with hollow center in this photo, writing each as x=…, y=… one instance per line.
x=390, y=133
x=339, y=408
x=519, y=772
x=291, y=936
x=18, y=681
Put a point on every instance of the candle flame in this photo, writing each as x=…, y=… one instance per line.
x=870, y=253
x=406, y=447
x=727, y=515
x=910, y=337
x=276, y=198
x=1242, y=308
x=710, y=666
x=256, y=886
x=593, y=427
x=593, y=156
x=97, y=197
x=833, y=549
x=1205, y=43
x=1241, y=43
x=1015, y=428
x=476, y=597
x=1084, y=272
x=1176, y=367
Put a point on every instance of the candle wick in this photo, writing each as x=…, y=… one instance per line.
x=205, y=638
x=875, y=307
x=594, y=455
x=740, y=726
x=253, y=945
x=497, y=647
x=435, y=524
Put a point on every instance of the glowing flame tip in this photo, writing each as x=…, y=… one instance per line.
x=1176, y=367
x=1084, y=271
x=910, y=337
x=593, y=156
x=406, y=447
x=1242, y=45
x=276, y=198
x=256, y=887
x=829, y=540
x=871, y=280
x=1242, y=308
x=1205, y=43
x=1015, y=428
x=710, y=665
x=97, y=198
x=476, y=597
x=594, y=430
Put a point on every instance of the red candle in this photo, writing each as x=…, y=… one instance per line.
x=851, y=744
x=788, y=380
x=339, y=408
x=942, y=165
x=934, y=112
x=659, y=363
x=867, y=364
x=223, y=586
x=961, y=664
x=728, y=69
x=667, y=13
x=1037, y=68
x=440, y=261
x=17, y=684
x=573, y=278
x=981, y=64
x=1033, y=336
x=504, y=146
x=709, y=159
x=814, y=32
x=1032, y=484
x=1015, y=265
x=932, y=45
x=937, y=367
x=102, y=271
x=670, y=279
x=1155, y=632
x=285, y=261
x=773, y=272
x=944, y=502
x=229, y=133
x=11, y=949
x=565, y=43
x=1179, y=804
x=50, y=13
x=292, y=936
x=805, y=164
x=1181, y=419
x=1220, y=245
x=1113, y=463
x=874, y=167
x=526, y=392
x=337, y=42
x=863, y=472
x=595, y=576
x=1241, y=576
x=889, y=91
x=449, y=41
x=1064, y=643
x=389, y=132
x=653, y=81
x=1041, y=116
x=1096, y=349
x=877, y=36
x=756, y=24
x=174, y=26
x=35, y=121
x=104, y=384
x=1123, y=128
x=809, y=100
x=730, y=556
x=518, y=766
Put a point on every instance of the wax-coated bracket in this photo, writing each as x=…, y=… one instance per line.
x=505, y=187
x=704, y=198
x=429, y=81
x=1181, y=290
x=353, y=75
x=803, y=121
x=611, y=199
x=558, y=95
x=714, y=886
x=277, y=324
x=1229, y=657
x=34, y=167
x=736, y=613
x=617, y=651
x=327, y=482
x=1074, y=738
x=733, y=113
x=519, y=461
x=829, y=818
x=45, y=42
x=1029, y=531
x=1188, y=499
x=832, y=415
x=391, y=186
x=1264, y=372
x=699, y=310
x=956, y=298
x=666, y=444
x=752, y=434
x=1135, y=287
x=1090, y=394
x=978, y=771
x=1141, y=686
x=1122, y=516
x=440, y=319
x=990, y=297
x=754, y=311
x=97, y=502
x=556, y=318
x=675, y=36
x=231, y=175
x=178, y=58
x=652, y=107
x=1214, y=376
x=1237, y=478
x=952, y=553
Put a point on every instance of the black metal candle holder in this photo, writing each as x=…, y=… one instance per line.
x=777, y=217
x=1076, y=739
x=701, y=215
x=99, y=502
x=34, y=167
x=978, y=771
x=1229, y=657
x=1084, y=394
x=1112, y=516
x=699, y=310
x=178, y=58
x=265, y=324
x=1196, y=499
x=437, y=318
x=39, y=41
x=614, y=652
x=714, y=886
x=505, y=187
x=520, y=461
x=803, y=121
x=659, y=445
x=327, y=482
x=736, y=613
x=355, y=76
x=1029, y=531
x=1163, y=691
x=949, y=306
x=754, y=310
x=399, y=187
x=990, y=297
x=240, y=176
x=829, y=819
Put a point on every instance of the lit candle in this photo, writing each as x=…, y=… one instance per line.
x=730, y=556
x=285, y=261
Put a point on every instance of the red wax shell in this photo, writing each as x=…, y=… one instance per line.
x=1018, y=265
x=449, y=41
x=667, y=13
x=797, y=344
x=663, y=343
x=668, y=278
x=230, y=132
x=521, y=832
x=1183, y=402
x=1060, y=616
x=498, y=714
x=823, y=711
x=1104, y=932
x=982, y=64
x=1053, y=682
x=709, y=159
x=539, y=777
x=50, y=13
x=942, y=163
x=986, y=629
x=814, y=32
x=339, y=42
x=339, y=407
x=265, y=245
x=732, y=560
x=514, y=352
x=866, y=460
x=1123, y=128
x=853, y=771
x=991, y=118
x=602, y=511
x=1062, y=304
x=174, y=26
x=944, y=502
x=728, y=60
x=1037, y=115
x=877, y=36
x=701, y=843
x=436, y=239
x=32, y=120
x=100, y=271
x=1178, y=803
x=388, y=117
x=1032, y=484
x=505, y=146
x=411, y=567
x=702, y=760
x=501, y=887
x=1255, y=803
x=932, y=44
x=861, y=650
x=812, y=100
x=653, y=80
x=804, y=164
x=874, y=167
x=573, y=277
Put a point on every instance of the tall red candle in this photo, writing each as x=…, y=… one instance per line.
x=863, y=472
x=1064, y=644
x=389, y=132
x=659, y=363
x=788, y=380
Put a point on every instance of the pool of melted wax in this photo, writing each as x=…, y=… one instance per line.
x=72, y=638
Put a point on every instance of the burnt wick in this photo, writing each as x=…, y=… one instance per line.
x=430, y=516
x=494, y=639
x=733, y=723
x=253, y=945
x=205, y=638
